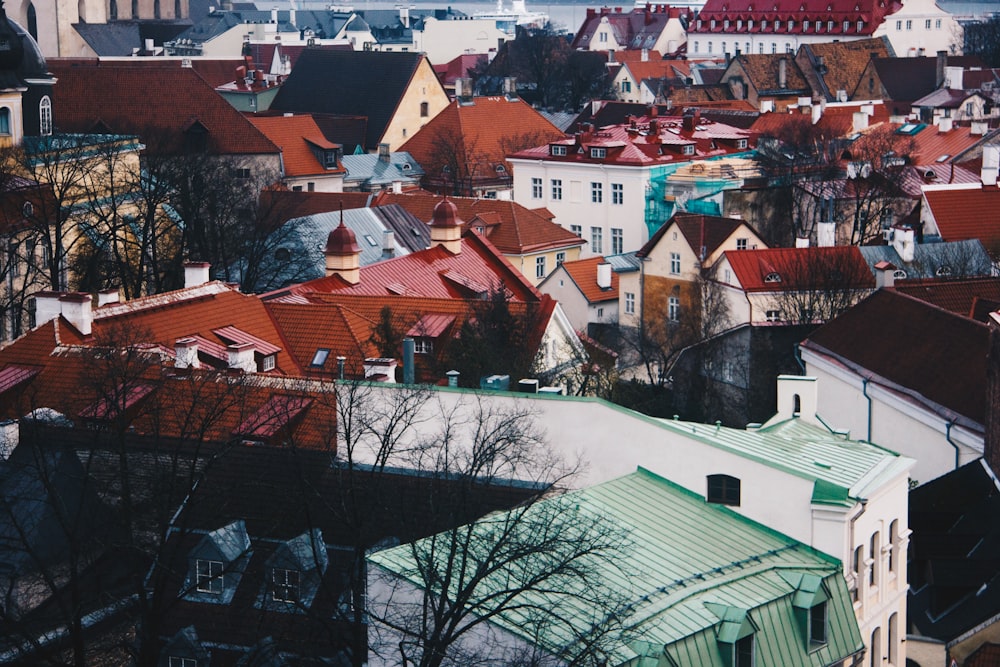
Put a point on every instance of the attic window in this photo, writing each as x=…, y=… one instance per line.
x=320, y=357
x=267, y=363
x=772, y=277
x=943, y=158
x=285, y=585
x=208, y=575
x=741, y=143
x=598, y=153
x=723, y=490
x=558, y=150
x=688, y=149
x=406, y=166
x=175, y=661
x=899, y=274
x=943, y=270
x=500, y=169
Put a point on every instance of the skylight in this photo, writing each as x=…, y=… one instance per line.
x=371, y=240
x=943, y=158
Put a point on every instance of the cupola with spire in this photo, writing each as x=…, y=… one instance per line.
x=343, y=254
x=446, y=227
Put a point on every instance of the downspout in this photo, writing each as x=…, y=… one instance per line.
x=797, y=356
x=864, y=392
x=947, y=436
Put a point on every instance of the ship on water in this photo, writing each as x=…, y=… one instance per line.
x=518, y=15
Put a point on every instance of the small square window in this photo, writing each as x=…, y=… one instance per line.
x=560, y=257
x=741, y=244
x=285, y=585
x=558, y=150
x=208, y=576
x=723, y=490
x=577, y=229
x=423, y=346
x=598, y=153
x=267, y=363
x=320, y=357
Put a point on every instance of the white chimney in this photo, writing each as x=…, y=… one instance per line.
x=978, y=128
x=604, y=275
x=644, y=55
x=404, y=14
x=291, y=16
x=186, y=353
x=382, y=370
x=77, y=309
x=826, y=234
x=149, y=45
x=397, y=187
x=46, y=307
x=817, y=113
x=274, y=15
x=196, y=273
x=944, y=124
x=903, y=243
x=388, y=243
x=241, y=357
x=106, y=296
x=885, y=274
x=859, y=121
x=991, y=164
x=801, y=241
x=797, y=397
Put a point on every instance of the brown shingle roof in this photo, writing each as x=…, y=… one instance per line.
x=155, y=104
x=921, y=348
x=958, y=296
x=845, y=62
x=762, y=70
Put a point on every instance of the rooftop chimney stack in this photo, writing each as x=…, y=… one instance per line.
x=47, y=307
x=383, y=153
x=782, y=73
x=991, y=164
x=388, y=244
x=185, y=353
x=604, y=275
x=798, y=396
x=196, y=273
x=942, y=63
x=77, y=309
x=241, y=357
x=106, y=296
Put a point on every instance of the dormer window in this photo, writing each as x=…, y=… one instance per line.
x=713, y=24
x=741, y=143
x=725, y=24
x=943, y=270
x=175, y=661
x=423, y=345
x=688, y=149
x=267, y=363
x=861, y=26
x=598, y=153
x=699, y=24
x=791, y=25
x=285, y=585
x=817, y=625
x=558, y=150
x=209, y=576
x=772, y=277
x=330, y=159
x=743, y=652
x=805, y=26
x=723, y=490
x=501, y=170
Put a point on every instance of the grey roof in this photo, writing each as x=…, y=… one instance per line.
x=410, y=231
x=326, y=24
x=111, y=39
x=368, y=170
x=561, y=119
x=299, y=244
x=624, y=263
x=962, y=258
x=364, y=83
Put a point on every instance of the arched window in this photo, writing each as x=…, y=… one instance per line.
x=724, y=490
x=113, y=10
x=875, y=648
x=45, y=116
x=772, y=277
x=796, y=404
x=32, y=21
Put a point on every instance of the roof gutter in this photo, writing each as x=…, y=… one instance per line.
x=864, y=392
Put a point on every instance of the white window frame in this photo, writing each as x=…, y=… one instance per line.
x=596, y=192
x=557, y=189
x=617, y=194
x=597, y=240
x=630, y=303
x=558, y=150
x=540, y=267
x=423, y=345
x=674, y=309
x=208, y=576
x=283, y=588
x=675, y=264
x=617, y=240
x=536, y=188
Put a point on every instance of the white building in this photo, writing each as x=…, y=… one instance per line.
x=443, y=41
x=597, y=183
x=844, y=497
x=921, y=28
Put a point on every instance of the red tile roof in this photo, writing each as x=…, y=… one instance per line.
x=732, y=16
x=431, y=325
x=926, y=350
x=583, y=272
x=136, y=100
x=14, y=375
x=434, y=273
x=636, y=29
x=509, y=226
x=966, y=213
x=480, y=134
x=459, y=66
x=234, y=336
x=295, y=136
x=647, y=141
x=654, y=69
x=277, y=413
x=799, y=268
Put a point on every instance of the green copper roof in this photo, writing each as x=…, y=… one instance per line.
x=843, y=469
x=698, y=577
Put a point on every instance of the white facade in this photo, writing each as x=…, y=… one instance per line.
x=612, y=441
x=316, y=182
x=874, y=410
x=582, y=197
x=671, y=38
x=921, y=28
x=716, y=45
x=443, y=41
x=580, y=312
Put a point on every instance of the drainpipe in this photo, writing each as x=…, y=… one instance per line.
x=947, y=436
x=864, y=392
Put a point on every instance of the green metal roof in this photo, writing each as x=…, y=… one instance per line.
x=698, y=576
x=843, y=469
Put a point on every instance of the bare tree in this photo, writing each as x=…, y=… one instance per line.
x=480, y=568
x=824, y=283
